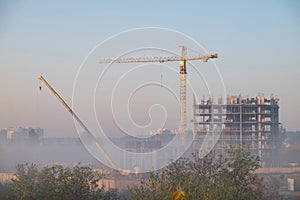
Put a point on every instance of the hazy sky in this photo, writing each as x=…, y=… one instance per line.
x=258, y=44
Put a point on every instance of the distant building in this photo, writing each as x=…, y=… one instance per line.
x=293, y=183
x=6, y=177
x=10, y=133
x=160, y=131
x=3, y=133
x=22, y=133
x=251, y=121
x=121, y=183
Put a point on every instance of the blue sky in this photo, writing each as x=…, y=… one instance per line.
x=258, y=43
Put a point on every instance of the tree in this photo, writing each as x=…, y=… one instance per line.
x=229, y=176
x=57, y=182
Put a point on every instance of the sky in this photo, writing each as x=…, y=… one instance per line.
x=257, y=41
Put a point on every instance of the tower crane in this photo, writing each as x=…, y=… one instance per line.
x=110, y=162
x=182, y=64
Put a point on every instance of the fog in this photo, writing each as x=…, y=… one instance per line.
x=47, y=151
x=70, y=151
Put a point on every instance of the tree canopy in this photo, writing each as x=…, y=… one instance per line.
x=57, y=182
x=224, y=176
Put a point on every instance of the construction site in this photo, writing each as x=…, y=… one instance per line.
x=253, y=122
x=248, y=121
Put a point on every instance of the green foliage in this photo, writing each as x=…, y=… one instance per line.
x=57, y=182
x=231, y=176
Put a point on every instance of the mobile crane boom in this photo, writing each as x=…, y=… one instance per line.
x=41, y=78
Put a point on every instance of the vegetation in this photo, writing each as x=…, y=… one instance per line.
x=56, y=182
x=212, y=177
x=231, y=176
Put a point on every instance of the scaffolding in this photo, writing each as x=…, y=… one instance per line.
x=248, y=121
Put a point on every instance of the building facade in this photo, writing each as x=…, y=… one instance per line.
x=250, y=121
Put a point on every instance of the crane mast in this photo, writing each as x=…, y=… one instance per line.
x=183, y=75
x=41, y=78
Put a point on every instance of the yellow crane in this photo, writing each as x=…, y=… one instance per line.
x=182, y=64
x=110, y=162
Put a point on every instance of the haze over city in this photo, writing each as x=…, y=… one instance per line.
x=149, y=99
x=257, y=44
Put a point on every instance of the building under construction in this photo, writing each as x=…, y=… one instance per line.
x=249, y=121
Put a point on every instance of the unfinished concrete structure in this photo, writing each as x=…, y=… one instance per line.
x=250, y=121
